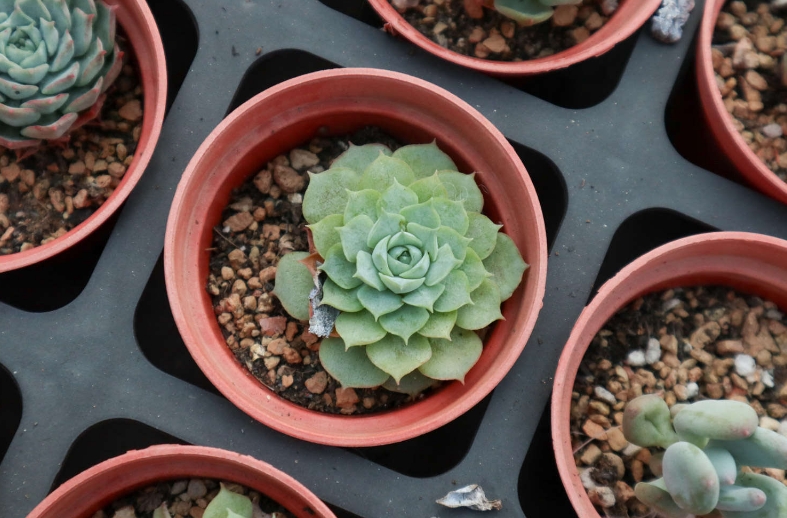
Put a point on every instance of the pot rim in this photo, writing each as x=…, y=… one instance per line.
x=199, y=461
x=629, y=17
x=616, y=294
x=313, y=426
x=153, y=74
x=720, y=121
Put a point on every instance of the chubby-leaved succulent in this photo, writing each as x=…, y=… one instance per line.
x=410, y=263
x=707, y=443
x=524, y=12
x=57, y=58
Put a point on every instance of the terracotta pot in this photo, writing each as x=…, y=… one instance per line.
x=337, y=102
x=751, y=263
x=104, y=483
x=629, y=17
x=729, y=140
x=137, y=21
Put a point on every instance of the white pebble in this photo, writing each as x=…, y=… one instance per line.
x=745, y=365
x=630, y=450
x=687, y=348
x=295, y=198
x=769, y=423
x=653, y=352
x=772, y=130
x=586, y=476
x=605, y=395
x=636, y=358
x=669, y=305
x=692, y=389
x=774, y=314
x=767, y=378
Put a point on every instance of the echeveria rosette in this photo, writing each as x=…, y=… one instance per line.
x=412, y=265
x=57, y=58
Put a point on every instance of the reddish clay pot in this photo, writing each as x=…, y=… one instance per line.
x=137, y=21
x=751, y=263
x=719, y=120
x=104, y=483
x=337, y=102
x=629, y=17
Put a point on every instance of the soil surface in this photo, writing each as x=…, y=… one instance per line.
x=262, y=222
x=749, y=59
x=496, y=37
x=52, y=191
x=685, y=345
x=186, y=499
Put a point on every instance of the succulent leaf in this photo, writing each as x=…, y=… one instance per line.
x=412, y=384
x=724, y=464
x=394, y=356
x=452, y=359
x=737, y=498
x=524, y=12
x=51, y=47
x=717, y=419
x=690, y=478
x=399, y=261
x=350, y=367
x=293, y=283
x=646, y=422
x=764, y=449
x=659, y=499
x=506, y=266
x=227, y=503
x=358, y=158
x=425, y=159
x=775, y=497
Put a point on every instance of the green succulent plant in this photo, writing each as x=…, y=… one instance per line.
x=226, y=504
x=707, y=443
x=524, y=12
x=412, y=265
x=57, y=58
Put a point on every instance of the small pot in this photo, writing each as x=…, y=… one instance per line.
x=750, y=263
x=137, y=21
x=630, y=16
x=719, y=121
x=104, y=483
x=338, y=102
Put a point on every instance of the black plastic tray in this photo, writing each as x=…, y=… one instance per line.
x=91, y=364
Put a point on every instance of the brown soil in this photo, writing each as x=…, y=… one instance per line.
x=698, y=333
x=749, y=43
x=184, y=499
x=262, y=222
x=495, y=37
x=52, y=191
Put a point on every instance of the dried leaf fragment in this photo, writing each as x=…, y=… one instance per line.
x=472, y=497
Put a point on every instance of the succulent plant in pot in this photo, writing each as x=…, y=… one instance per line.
x=412, y=268
x=707, y=443
x=524, y=12
x=57, y=58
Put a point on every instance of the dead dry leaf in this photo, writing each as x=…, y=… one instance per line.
x=472, y=497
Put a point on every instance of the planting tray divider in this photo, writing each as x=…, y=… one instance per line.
x=81, y=364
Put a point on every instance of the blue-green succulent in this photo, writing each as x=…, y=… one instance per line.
x=707, y=443
x=57, y=58
x=411, y=264
x=524, y=12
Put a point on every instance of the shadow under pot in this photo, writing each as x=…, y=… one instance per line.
x=279, y=127
x=81, y=126
x=115, y=481
x=506, y=38
x=700, y=319
x=759, y=85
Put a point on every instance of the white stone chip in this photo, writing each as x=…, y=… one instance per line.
x=769, y=423
x=653, y=352
x=692, y=390
x=586, y=476
x=605, y=395
x=636, y=358
x=745, y=365
x=767, y=378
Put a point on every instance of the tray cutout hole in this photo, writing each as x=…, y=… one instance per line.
x=642, y=232
x=550, y=188
x=433, y=453
x=359, y=9
x=10, y=410
x=62, y=278
x=540, y=490
x=178, y=29
x=157, y=334
x=114, y=437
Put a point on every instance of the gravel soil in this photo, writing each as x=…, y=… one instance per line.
x=262, y=222
x=52, y=191
x=498, y=38
x=750, y=61
x=685, y=345
x=186, y=499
